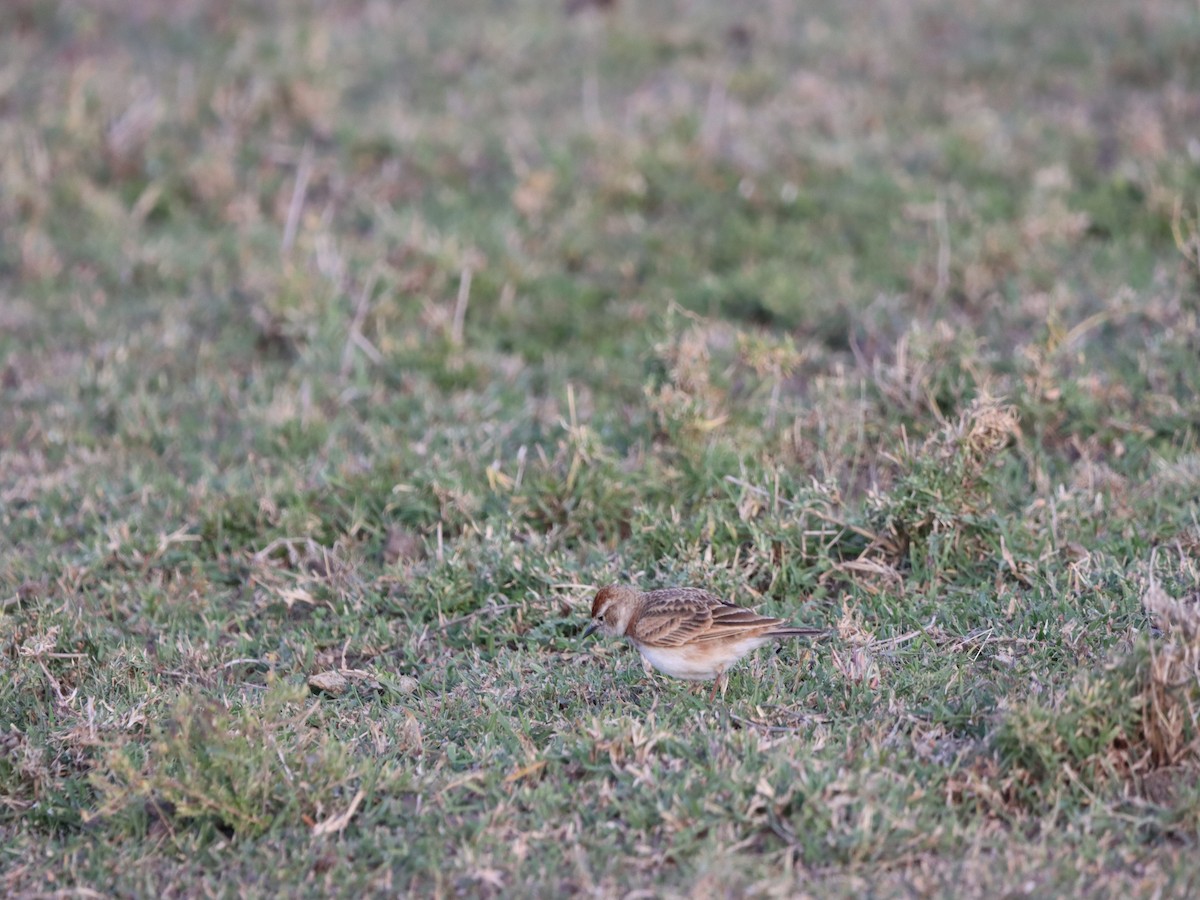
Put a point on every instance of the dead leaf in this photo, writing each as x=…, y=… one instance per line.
x=332, y=682
x=522, y=772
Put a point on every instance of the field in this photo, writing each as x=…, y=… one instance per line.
x=347, y=347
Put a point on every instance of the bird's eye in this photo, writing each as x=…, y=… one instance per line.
x=600, y=618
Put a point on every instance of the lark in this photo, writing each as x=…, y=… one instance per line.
x=686, y=632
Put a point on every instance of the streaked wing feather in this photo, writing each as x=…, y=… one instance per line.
x=670, y=619
x=678, y=616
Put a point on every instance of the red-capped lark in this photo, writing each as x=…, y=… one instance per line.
x=686, y=632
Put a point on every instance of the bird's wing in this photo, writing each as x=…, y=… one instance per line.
x=678, y=616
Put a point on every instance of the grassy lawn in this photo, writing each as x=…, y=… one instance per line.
x=347, y=347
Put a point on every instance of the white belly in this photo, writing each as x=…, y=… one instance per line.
x=699, y=662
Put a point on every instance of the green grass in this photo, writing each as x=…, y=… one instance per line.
x=370, y=339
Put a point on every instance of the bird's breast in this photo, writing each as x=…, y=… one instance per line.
x=699, y=661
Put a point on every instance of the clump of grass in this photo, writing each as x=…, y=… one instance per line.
x=240, y=770
x=942, y=489
x=689, y=405
x=1171, y=705
x=29, y=774
x=1186, y=231
x=1129, y=730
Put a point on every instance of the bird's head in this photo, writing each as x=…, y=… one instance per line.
x=613, y=610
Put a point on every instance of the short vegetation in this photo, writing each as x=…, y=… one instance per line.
x=346, y=348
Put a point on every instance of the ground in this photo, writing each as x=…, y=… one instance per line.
x=346, y=347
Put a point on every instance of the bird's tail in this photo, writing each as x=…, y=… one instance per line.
x=789, y=631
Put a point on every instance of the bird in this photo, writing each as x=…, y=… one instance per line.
x=686, y=632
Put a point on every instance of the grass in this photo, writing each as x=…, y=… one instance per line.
x=345, y=349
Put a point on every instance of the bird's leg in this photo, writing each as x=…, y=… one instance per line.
x=719, y=682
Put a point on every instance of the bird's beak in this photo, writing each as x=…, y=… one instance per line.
x=587, y=631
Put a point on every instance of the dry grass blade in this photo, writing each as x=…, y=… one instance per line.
x=337, y=824
x=1171, y=714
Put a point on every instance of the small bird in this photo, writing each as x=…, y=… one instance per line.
x=686, y=632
